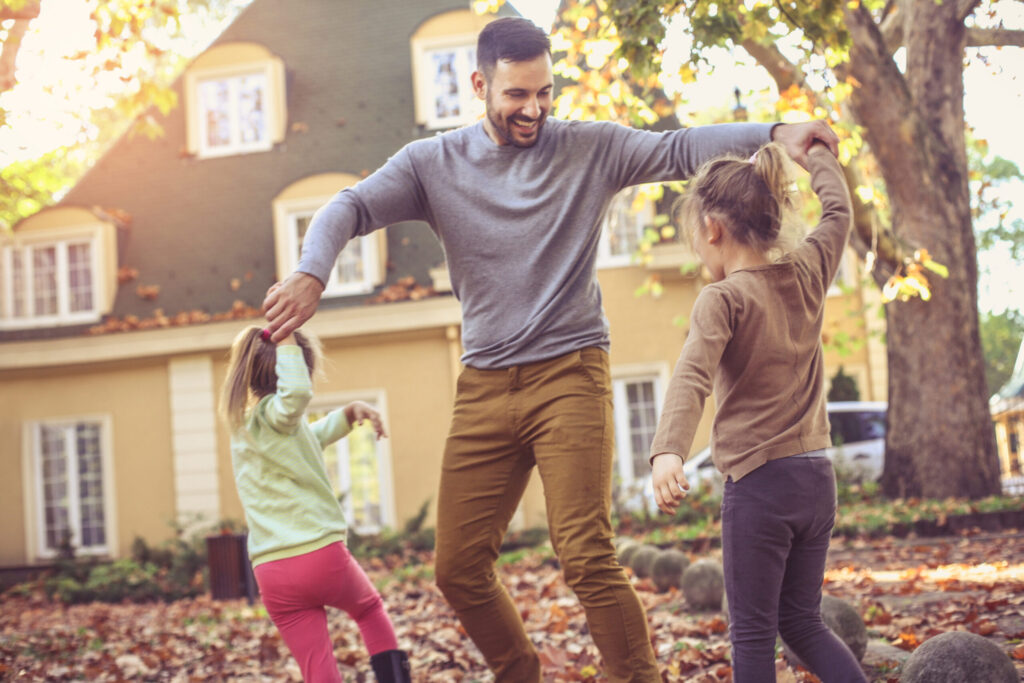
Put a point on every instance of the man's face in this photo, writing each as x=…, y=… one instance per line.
x=518, y=99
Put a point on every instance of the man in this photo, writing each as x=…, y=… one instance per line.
x=517, y=201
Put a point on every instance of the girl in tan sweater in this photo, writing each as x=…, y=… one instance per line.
x=755, y=339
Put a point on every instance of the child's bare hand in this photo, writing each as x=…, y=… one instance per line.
x=357, y=411
x=670, y=484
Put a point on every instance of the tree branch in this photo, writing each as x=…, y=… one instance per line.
x=966, y=8
x=782, y=71
x=867, y=226
x=980, y=37
x=9, y=54
x=29, y=11
x=892, y=29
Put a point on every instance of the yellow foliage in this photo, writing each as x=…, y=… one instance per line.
x=487, y=6
x=598, y=51
x=793, y=99
x=865, y=193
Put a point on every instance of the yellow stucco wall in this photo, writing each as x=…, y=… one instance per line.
x=847, y=314
x=414, y=367
x=135, y=395
x=642, y=327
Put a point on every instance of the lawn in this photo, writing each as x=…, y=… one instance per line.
x=907, y=589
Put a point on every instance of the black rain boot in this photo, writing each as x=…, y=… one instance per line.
x=391, y=666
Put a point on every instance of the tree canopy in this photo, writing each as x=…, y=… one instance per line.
x=121, y=64
x=888, y=75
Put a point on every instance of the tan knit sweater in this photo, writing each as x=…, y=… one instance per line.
x=757, y=336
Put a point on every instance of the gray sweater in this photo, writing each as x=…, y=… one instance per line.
x=519, y=226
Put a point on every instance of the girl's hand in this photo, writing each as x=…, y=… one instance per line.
x=670, y=484
x=357, y=411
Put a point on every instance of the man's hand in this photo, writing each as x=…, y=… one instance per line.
x=670, y=484
x=797, y=138
x=291, y=303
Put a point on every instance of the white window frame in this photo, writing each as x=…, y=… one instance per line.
x=35, y=501
x=657, y=374
x=641, y=219
x=385, y=479
x=61, y=240
x=195, y=79
x=471, y=107
x=289, y=211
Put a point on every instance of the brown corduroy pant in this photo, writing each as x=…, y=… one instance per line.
x=557, y=415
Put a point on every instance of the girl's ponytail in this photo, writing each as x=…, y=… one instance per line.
x=772, y=163
x=252, y=372
x=752, y=197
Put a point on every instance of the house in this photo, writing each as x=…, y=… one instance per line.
x=1007, y=407
x=118, y=305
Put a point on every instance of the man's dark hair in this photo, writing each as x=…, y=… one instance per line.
x=514, y=39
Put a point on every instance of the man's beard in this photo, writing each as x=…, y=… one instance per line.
x=508, y=133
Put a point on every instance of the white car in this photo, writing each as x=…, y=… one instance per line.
x=857, y=451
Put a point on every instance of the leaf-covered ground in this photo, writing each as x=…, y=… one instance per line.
x=907, y=590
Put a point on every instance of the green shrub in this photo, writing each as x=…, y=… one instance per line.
x=119, y=581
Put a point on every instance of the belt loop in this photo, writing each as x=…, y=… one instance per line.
x=513, y=377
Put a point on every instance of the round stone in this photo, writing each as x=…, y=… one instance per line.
x=704, y=585
x=626, y=553
x=667, y=571
x=623, y=543
x=843, y=620
x=956, y=657
x=643, y=560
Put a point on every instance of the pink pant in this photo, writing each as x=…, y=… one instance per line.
x=295, y=591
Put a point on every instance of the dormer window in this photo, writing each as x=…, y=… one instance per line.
x=449, y=96
x=443, y=60
x=57, y=268
x=360, y=265
x=232, y=114
x=357, y=270
x=235, y=101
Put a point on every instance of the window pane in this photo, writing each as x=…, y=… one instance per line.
x=353, y=469
x=301, y=222
x=624, y=223
x=251, y=98
x=449, y=91
x=90, y=485
x=214, y=107
x=18, y=282
x=80, y=276
x=643, y=421
x=55, y=491
x=445, y=87
x=365, y=480
x=44, y=280
x=350, y=262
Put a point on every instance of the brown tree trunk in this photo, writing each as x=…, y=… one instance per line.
x=940, y=441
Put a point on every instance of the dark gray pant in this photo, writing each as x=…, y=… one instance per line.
x=776, y=525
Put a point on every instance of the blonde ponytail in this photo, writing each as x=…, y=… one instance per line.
x=754, y=198
x=252, y=371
